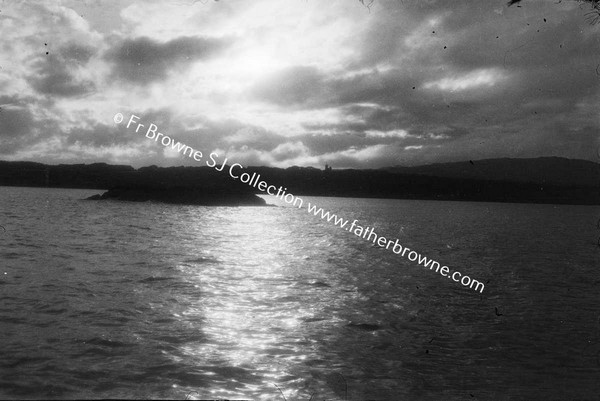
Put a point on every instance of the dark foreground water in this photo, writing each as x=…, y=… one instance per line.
x=111, y=299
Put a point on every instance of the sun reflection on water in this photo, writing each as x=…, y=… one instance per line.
x=250, y=301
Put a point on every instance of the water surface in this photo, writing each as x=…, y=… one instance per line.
x=117, y=299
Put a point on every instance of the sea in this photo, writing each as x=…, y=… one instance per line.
x=109, y=299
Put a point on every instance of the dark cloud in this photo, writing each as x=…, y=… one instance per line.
x=19, y=127
x=375, y=86
x=144, y=60
x=308, y=87
x=77, y=53
x=56, y=72
x=15, y=122
x=60, y=83
x=14, y=101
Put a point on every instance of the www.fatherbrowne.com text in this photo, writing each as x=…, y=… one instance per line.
x=236, y=172
x=369, y=234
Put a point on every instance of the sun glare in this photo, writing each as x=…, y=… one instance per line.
x=249, y=66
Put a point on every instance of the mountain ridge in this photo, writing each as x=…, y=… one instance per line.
x=542, y=180
x=542, y=170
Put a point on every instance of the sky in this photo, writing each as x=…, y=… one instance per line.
x=299, y=82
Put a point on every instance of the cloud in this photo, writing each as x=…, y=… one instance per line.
x=478, y=79
x=400, y=133
x=99, y=135
x=15, y=122
x=310, y=87
x=255, y=137
x=209, y=134
x=289, y=150
x=306, y=83
x=293, y=86
x=46, y=51
x=77, y=53
x=56, y=74
x=143, y=60
x=54, y=150
x=22, y=124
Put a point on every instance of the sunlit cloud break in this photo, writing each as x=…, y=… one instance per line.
x=484, y=78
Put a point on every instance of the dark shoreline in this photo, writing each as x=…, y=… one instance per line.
x=530, y=181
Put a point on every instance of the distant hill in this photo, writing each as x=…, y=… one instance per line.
x=543, y=180
x=31, y=174
x=542, y=170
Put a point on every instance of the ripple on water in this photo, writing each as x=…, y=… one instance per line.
x=128, y=301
